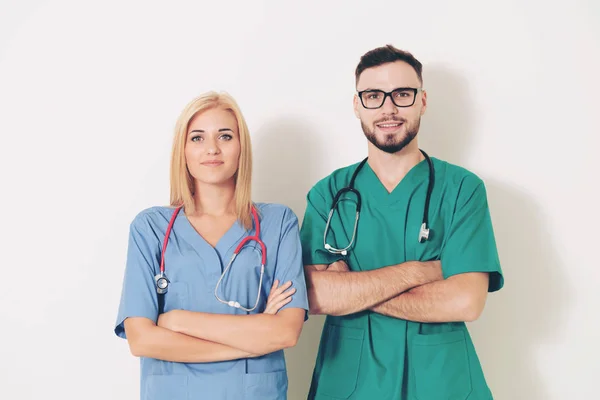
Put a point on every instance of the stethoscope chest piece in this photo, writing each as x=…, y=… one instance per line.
x=423, y=233
x=162, y=283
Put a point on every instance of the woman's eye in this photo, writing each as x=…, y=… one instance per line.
x=226, y=137
x=196, y=138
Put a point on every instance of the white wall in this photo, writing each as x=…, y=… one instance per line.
x=89, y=93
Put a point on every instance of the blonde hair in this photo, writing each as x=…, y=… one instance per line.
x=182, y=182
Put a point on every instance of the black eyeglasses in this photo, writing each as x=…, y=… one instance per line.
x=401, y=97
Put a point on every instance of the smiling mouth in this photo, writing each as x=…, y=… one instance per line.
x=389, y=126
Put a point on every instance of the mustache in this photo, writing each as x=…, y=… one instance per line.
x=390, y=119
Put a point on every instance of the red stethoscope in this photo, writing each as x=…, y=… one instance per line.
x=162, y=283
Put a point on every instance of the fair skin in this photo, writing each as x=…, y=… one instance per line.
x=414, y=291
x=212, y=154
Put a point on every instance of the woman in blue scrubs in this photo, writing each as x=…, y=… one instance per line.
x=217, y=332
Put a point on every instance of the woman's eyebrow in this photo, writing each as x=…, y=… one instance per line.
x=220, y=130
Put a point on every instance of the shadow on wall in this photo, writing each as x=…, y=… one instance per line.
x=446, y=126
x=286, y=156
x=533, y=304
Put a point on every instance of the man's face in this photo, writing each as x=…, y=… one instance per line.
x=391, y=126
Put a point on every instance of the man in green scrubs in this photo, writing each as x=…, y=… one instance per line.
x=396, y=305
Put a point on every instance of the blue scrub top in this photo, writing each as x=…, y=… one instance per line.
x=193, y=267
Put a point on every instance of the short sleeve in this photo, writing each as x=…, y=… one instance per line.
x=312, y=230
x=470, y=245
x=138, y=295
x=289, y=262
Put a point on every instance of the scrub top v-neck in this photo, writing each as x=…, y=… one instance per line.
x=371, y=356
x=194, y=267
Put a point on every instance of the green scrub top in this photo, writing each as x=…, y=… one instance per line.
x=370, y=356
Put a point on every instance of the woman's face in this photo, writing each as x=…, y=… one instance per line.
x=212, y=147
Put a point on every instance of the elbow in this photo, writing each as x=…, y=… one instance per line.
x=283, y=341
x=290, y=337
x=314, y=309
x=136, y=348
x=317, y=306
x=139, y=344
x=139, y=334
x=471, y=307
x=291, y=340
x=470, y=315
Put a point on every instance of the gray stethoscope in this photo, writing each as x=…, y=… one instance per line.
x=423, y=232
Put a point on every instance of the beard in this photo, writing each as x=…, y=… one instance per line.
x=392, y=143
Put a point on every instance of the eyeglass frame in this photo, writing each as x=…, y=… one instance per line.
x=386, y=94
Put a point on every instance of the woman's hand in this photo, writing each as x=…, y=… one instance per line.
x=278, y=297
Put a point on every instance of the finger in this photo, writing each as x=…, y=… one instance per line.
x=273, y=287
x=277, y=306
x=284, y=286
x=281, y=288
x=283, y=296
x=282, y=303
x=288, y=293
x=276, y=302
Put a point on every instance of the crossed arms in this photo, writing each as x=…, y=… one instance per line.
x=414, y=291
x=194, y=337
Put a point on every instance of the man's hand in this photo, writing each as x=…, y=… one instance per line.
x=338, y=266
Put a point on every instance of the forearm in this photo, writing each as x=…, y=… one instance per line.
x=458, y=298
x=342, y=293
x=164, y=344
x=255, y=333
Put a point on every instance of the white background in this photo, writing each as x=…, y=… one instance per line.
x=89, y=94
